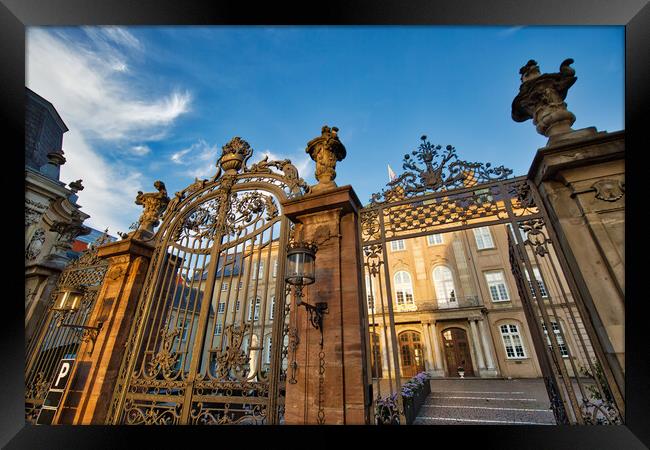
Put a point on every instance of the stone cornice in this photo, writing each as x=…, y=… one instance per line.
x=599, y=148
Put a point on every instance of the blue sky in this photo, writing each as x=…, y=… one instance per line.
x=147, y=103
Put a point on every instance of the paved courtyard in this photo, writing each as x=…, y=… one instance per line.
x=486, y=402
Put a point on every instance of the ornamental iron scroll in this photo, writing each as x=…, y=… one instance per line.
x=211, y=268
x=442, y=171
x=53, y=341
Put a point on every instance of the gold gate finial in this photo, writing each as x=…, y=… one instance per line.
x=234, y=154
x=326, y=150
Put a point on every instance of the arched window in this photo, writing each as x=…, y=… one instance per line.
x=444, y=283
x=403, y=288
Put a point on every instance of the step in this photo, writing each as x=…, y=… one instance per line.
x=503, y=402
x=487, y=414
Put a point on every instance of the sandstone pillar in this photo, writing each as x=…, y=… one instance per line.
x=329, y=218
x=437, y=360
x=95, y=373
x=581, y=182
x=486, y=345
x=477, y=345
x=428, y=354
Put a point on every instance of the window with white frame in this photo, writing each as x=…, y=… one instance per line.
x=540, y=283
x=258, y=270
x=443, y=281
x=558, y=336
x=434, y=239
x=369, y=292
x=272, y=307
x=268, y=350
x=398, y=245
x=483, y=238
x=224, y=286
x=512, y=341
x=403, y=288
x=275, y=268
x=221, y=308
x=496, y=282
x=257, y=310
x=186, y=327
x=217, y=329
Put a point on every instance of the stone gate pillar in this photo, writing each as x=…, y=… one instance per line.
x=328, y=217
x=96, y=368
x=580, y=177
x=330, y=220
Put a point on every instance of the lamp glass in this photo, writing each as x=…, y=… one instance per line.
x=300, y=267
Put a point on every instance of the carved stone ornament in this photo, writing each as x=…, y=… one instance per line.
x=68, y=231
x=541, y=98
x=35, y=245
x=154, y=204
x=609, y=190
x=33, y=211
x=326, y=150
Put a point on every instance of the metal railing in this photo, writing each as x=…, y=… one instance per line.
x=434, y=305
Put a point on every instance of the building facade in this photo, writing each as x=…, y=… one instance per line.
x=457, y=309
x=53, y=218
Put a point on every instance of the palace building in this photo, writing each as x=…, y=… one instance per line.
x=456, y=306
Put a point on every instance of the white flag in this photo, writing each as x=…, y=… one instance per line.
x=391, y=174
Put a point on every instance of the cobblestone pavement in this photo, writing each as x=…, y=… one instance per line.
x=486, y=402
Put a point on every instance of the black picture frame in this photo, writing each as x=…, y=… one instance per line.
x=15, y=15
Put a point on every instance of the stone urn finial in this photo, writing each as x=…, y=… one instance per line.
x=234, y=154
x=76, y=186
x=326, y=150
x=154, y=204
x=541, y=98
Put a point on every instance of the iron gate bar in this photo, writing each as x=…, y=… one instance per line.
x=516, y=202
x=582, y=303
x=195, y=267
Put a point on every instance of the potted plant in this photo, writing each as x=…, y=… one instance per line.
x=461, y=371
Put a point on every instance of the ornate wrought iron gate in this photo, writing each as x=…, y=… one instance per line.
x=439, y=193
x=209, y=340
x=54, y=341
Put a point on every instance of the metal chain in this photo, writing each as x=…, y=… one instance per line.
x=321, y=388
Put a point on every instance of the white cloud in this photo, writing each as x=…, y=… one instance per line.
x=140, y=150
x=109, y=191
x=88, y=83
x=201, y=157
x=87, y=86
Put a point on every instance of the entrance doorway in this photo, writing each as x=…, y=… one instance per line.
x=411, y=353
x=457, y=352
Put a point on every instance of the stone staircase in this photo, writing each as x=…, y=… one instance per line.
x=486, y=402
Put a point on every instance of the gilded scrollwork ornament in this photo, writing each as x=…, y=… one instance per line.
x=165, y=360
x=429, y=168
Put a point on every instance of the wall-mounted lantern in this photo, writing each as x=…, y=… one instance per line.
x=68, y=301
x=300, y=272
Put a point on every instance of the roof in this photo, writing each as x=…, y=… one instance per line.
x=232, y=265
x=50, y=108
x=186, y=299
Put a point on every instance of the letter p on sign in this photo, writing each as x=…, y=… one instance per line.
x=63, y=374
